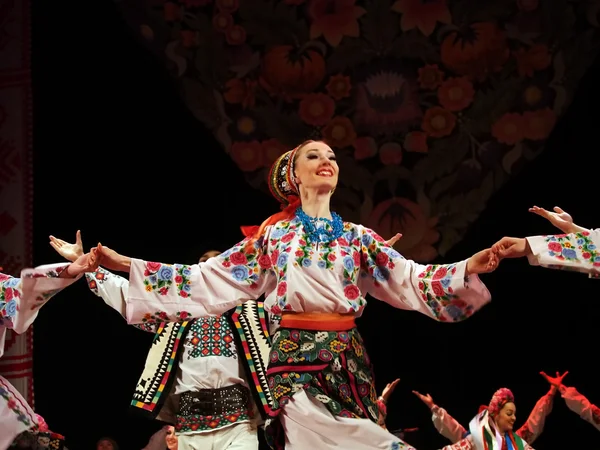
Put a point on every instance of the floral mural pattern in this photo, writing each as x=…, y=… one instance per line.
x=431, y=105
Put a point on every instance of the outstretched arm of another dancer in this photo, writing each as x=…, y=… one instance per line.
x=382, y=401
x=108, y=286
x=534, y=425
x=577, y=250
x=21, y=298
x=444, y=423
x=445, y=292
x=575, y=401
x=161, y=292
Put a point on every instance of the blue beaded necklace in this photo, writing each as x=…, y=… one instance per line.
x=320, y=229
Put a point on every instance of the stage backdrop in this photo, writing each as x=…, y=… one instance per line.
x=432, y=105
x=16, y=187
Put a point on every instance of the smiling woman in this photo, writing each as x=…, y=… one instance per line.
x=315, y=271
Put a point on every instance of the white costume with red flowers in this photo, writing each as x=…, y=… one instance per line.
x=296, y=276
x=20, y=301
x=579, y=404
x=579, y=252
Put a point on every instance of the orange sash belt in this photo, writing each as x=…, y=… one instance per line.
x=318, y=321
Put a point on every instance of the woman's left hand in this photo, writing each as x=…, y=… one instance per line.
x=484, y=261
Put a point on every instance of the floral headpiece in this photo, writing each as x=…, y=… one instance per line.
x=500, y=398
x=281, y=178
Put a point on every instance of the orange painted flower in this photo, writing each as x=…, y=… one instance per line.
x=534, y=58
x=407, y=217
x=508, y=129
x=290, y=72
x=364, y=147
x=339, y=86
x=390, y=154
x=476, y=50
x=339, y=132
x=430, y=76
x=438, y=122
x=423, y=15
x=455, y=94
x=247, y=155
x=334, y=19
x=240, y=91
x=316, y=109
x=272, y=149
x=235, y=35
x=222, y=21
x=416, y=141
x=538, y=124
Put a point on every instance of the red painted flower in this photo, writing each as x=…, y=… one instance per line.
x=334, y=19
x=423, y=15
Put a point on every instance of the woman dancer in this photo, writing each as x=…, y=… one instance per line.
x=315, y=270
x=451, y=429
x=492, y=428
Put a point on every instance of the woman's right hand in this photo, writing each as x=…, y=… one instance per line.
x=425, y=399
x=113, y=260
x=559, y=218
x=68, y=251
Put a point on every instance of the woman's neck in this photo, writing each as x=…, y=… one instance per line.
x=316, y=204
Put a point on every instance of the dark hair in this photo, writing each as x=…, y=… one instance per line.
x=207, y=253
x=111, y=440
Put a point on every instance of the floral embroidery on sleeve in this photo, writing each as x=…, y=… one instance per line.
x=8, y=299
x=246, y=265
x=378, y=258
x=182, y=280
x=158, y=277
x=575, y=247
x=436, y=291
x=98, y=277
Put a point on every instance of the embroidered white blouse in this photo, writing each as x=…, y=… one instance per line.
x=298, y=276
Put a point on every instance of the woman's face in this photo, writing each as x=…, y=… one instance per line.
x=505, y=420
x=315, y=167
x=171, y=438
x=105, y=444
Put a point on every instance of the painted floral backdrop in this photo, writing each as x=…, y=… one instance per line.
x=432, y=105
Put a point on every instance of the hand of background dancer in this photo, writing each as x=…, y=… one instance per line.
x=113, y=260
x=68, y=251
x=388, y=389
x=391, y=242
x=484, y=261
x=554, y=381
x=425, y=399
x=85, y=263
x=510, y=247
x=559, y=218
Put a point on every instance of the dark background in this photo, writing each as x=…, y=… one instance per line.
x=118, y=155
